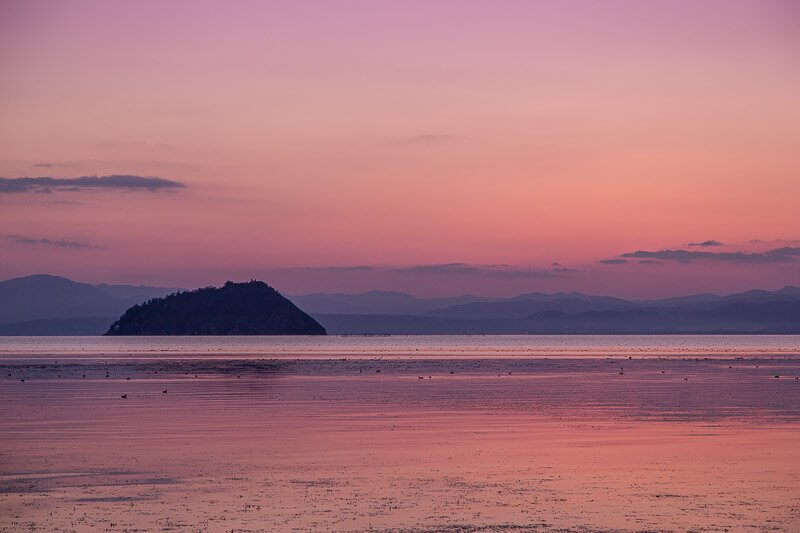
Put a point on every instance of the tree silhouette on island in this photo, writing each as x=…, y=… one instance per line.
x=251, y=308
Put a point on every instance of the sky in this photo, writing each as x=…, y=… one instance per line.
x=621, y=147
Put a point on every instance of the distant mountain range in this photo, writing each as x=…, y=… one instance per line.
x=376, y=303
x=51, y=305
x=755, y=311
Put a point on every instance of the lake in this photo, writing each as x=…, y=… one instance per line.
x=427, y=433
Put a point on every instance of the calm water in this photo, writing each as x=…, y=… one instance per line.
x=454, y=433
x=423, y=345
x=644, y=377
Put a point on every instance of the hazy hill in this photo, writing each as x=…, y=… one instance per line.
x=576, y=303
x=739, y=317
x=376, y=303
x=783, y=316
x=710, y=301
x=547, y=297
x=518, y=308
x=754, y=311
x=44, y=296
x=137, y=292
x=252, y=308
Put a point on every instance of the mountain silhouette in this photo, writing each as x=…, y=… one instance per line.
x=252, y=308
x=53, y=305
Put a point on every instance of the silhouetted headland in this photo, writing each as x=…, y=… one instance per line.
x=252, y=308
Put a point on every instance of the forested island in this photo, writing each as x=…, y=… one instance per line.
x=251, y=308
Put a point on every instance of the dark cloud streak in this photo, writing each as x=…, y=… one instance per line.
x=778, y=255
x=58, y=243
x=710, y=242
x=114, y=182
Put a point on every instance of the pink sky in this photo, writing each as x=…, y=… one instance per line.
x=398, y=134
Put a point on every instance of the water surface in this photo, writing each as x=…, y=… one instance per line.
x=461, y=433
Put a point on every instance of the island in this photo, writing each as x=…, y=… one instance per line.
x=251, y=308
